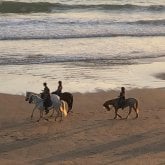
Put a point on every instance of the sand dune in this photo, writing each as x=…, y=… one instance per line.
x=89, y=135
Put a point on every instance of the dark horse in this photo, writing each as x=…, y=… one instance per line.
x=130, y=102
x=68, y=97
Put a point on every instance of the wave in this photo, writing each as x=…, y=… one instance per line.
x=46, y=7
x=41, y=59
x=148, y=22
x=82, y=22
x=81, y=36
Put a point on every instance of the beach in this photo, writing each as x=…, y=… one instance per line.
x=94, y=47
x=88, y=135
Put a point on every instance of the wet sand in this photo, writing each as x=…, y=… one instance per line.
x=160, y=76
x=88, y=135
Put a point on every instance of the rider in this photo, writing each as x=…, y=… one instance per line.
x=122, y=98
x=46, y=97
x=59, y=89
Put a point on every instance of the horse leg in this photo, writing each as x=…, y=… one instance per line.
x=137, y=112
x=41, y=115
x=44, y=116
x=60, y=116
x=115, y=113
x=119, y=116
x=56, y=115
x=52, y=112
x=130, y=109
x=33, y=111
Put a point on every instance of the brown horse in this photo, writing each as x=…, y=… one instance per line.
x=132, y=103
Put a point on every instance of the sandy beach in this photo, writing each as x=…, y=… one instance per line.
x=94, y=47
x=88, y=135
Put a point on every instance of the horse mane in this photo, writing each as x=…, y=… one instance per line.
x=36, y=96
x=115, y=99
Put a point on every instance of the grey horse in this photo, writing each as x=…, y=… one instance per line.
x=59, y=105
x=132, y=103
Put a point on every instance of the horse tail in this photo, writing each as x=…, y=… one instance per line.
x=136, y=104
x=70, y=102
x=63, y=108
x=136, y=109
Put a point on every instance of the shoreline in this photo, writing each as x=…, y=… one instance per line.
x=133, y=76
x=99, y=91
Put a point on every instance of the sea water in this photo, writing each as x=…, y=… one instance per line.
x=89, y=45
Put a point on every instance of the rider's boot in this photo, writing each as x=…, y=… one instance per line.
x=46, y=110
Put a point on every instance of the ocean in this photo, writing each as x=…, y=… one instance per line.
x=90, y=45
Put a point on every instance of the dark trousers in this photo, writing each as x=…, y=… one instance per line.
x=121, y=102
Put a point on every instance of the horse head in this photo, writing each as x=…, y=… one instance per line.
x=106, y=105
x=27, y=96
x=30, y=99
x=113, y=103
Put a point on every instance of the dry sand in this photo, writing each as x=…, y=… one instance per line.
x=89, y=135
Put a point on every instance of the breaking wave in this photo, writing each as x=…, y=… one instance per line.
x=46, y=7
x=41, y=59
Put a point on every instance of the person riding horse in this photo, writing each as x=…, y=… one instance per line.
x=59, y=89
x=46, y=97
x=122, y=98
x=66, y=96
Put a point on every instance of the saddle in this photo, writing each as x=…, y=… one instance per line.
x=47, y=103
x=121, y=104
x=57, y=93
